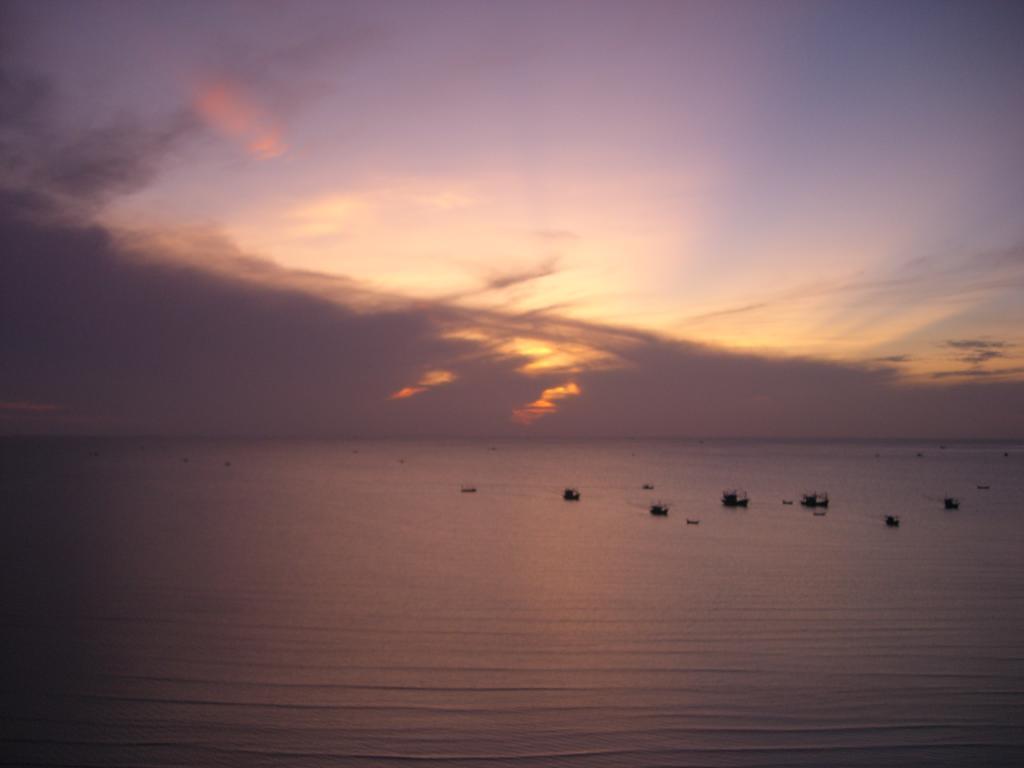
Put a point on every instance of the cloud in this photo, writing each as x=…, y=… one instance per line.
x=979, y=373
x=165, y=332
x=429, y=380
x=546, y=404
x=977, y=352
x=893, y=359
x=504, y=280
x=130, y=339
x=228, y=108
x=82, y=169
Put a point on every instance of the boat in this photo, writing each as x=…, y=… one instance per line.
x=691, y=521
x=787, y=501
x=951, y=502
x=892, y=521
x=814, y=499
x=818, y=513
x=984, y=487
x=648, y=486
x=468, y=489
x=735, y=498
x=659, y=508
x=571, y=494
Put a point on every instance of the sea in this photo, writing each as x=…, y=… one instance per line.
x=183, y=602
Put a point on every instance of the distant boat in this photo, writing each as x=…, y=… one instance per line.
x=734, y=498
x=920, y=455
x=659, y=508
x=818, y=513
x=787, y=501
x=468, y=489
x=892, y=521
x=951, y=502
x=984, y=487
x=571, y=494
x=647, y=486
x=691, y=521
x=814, y=499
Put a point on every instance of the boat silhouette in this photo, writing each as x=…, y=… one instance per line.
x=735, y=498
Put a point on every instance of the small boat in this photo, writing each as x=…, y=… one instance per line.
x=468, y=489
x=814, y=499
x=691, y=521
x=734, y=498
x=984, y=487
x=647, y=486
x=787, y=501
x=659, y=508
x=818, y=513
x=892, y=521
x=920, y=455
x=571, y=494
x=951, y=502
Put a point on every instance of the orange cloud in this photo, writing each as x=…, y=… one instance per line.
x=545, y=404
x=427, y=381
x=405, y=392
x=228, y=109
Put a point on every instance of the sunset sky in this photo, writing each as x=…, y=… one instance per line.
x=739, y=218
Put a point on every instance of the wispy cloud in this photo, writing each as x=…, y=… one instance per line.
x=429, y=380
x=546, y=404
x=229, y=109
x=502, y=280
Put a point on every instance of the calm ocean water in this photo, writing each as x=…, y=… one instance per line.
x=342, y=603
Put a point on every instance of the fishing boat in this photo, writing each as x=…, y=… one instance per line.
x=818, y=513
x=735, y=498
x=814, y=499
x=984, y=487
x=659, y=508
x=788, y=502
x=951, y=502
x=691, y=521
x=468, y=489
x=892, y=521
x=648, y=486
x=571, y=494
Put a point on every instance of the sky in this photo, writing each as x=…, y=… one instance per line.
x=551, y=218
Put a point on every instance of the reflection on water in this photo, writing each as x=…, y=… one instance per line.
x=324, y=603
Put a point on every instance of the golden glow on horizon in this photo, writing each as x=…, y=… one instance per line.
x=604, y=254
x=545, y=405
x=231, y=112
